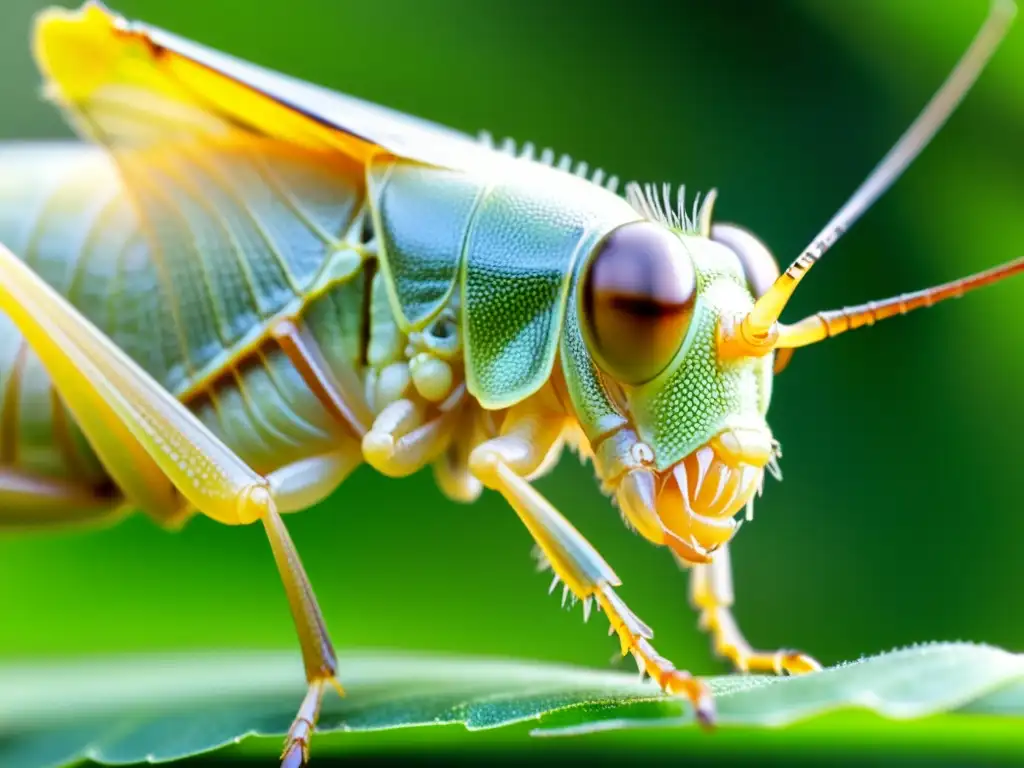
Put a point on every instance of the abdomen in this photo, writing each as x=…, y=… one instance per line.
x=186, y=268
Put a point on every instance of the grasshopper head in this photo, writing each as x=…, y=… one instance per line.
x=682, y=323
x=683, y=319
x=653, y=297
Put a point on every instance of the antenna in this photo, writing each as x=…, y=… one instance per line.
x=759, y=332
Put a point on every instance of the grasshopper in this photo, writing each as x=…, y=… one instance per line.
x=238, y=287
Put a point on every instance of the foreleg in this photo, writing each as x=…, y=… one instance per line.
x=504, y=464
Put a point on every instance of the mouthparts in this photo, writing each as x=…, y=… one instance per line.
x=691, y=506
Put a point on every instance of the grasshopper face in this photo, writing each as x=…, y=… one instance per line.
x=684, y=321
x=653, y=300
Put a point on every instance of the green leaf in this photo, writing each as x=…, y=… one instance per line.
x=165, y=708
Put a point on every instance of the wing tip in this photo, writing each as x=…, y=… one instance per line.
x=72, y=47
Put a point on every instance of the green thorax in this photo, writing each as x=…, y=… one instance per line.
x=501, y=243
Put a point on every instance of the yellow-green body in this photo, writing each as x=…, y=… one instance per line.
x=188, y=261
x=241, y=286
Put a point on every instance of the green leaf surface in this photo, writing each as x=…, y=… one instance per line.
x=139, y=709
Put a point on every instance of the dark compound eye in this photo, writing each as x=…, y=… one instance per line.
x=759, y=265
x=638, y=295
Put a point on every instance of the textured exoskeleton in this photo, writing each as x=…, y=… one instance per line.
x=238, y=287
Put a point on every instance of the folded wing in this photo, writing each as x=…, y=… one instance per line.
x=123, y=83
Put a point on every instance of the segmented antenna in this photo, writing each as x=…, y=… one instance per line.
x=768, y=309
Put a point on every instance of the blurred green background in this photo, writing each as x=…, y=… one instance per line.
x=899, y=519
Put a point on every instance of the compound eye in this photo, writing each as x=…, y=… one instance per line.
x=638, y=295
x=759, y=265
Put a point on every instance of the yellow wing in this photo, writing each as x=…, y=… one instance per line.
x=125, y=84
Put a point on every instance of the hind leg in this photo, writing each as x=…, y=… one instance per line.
x=166, y=461
x=30, y=502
